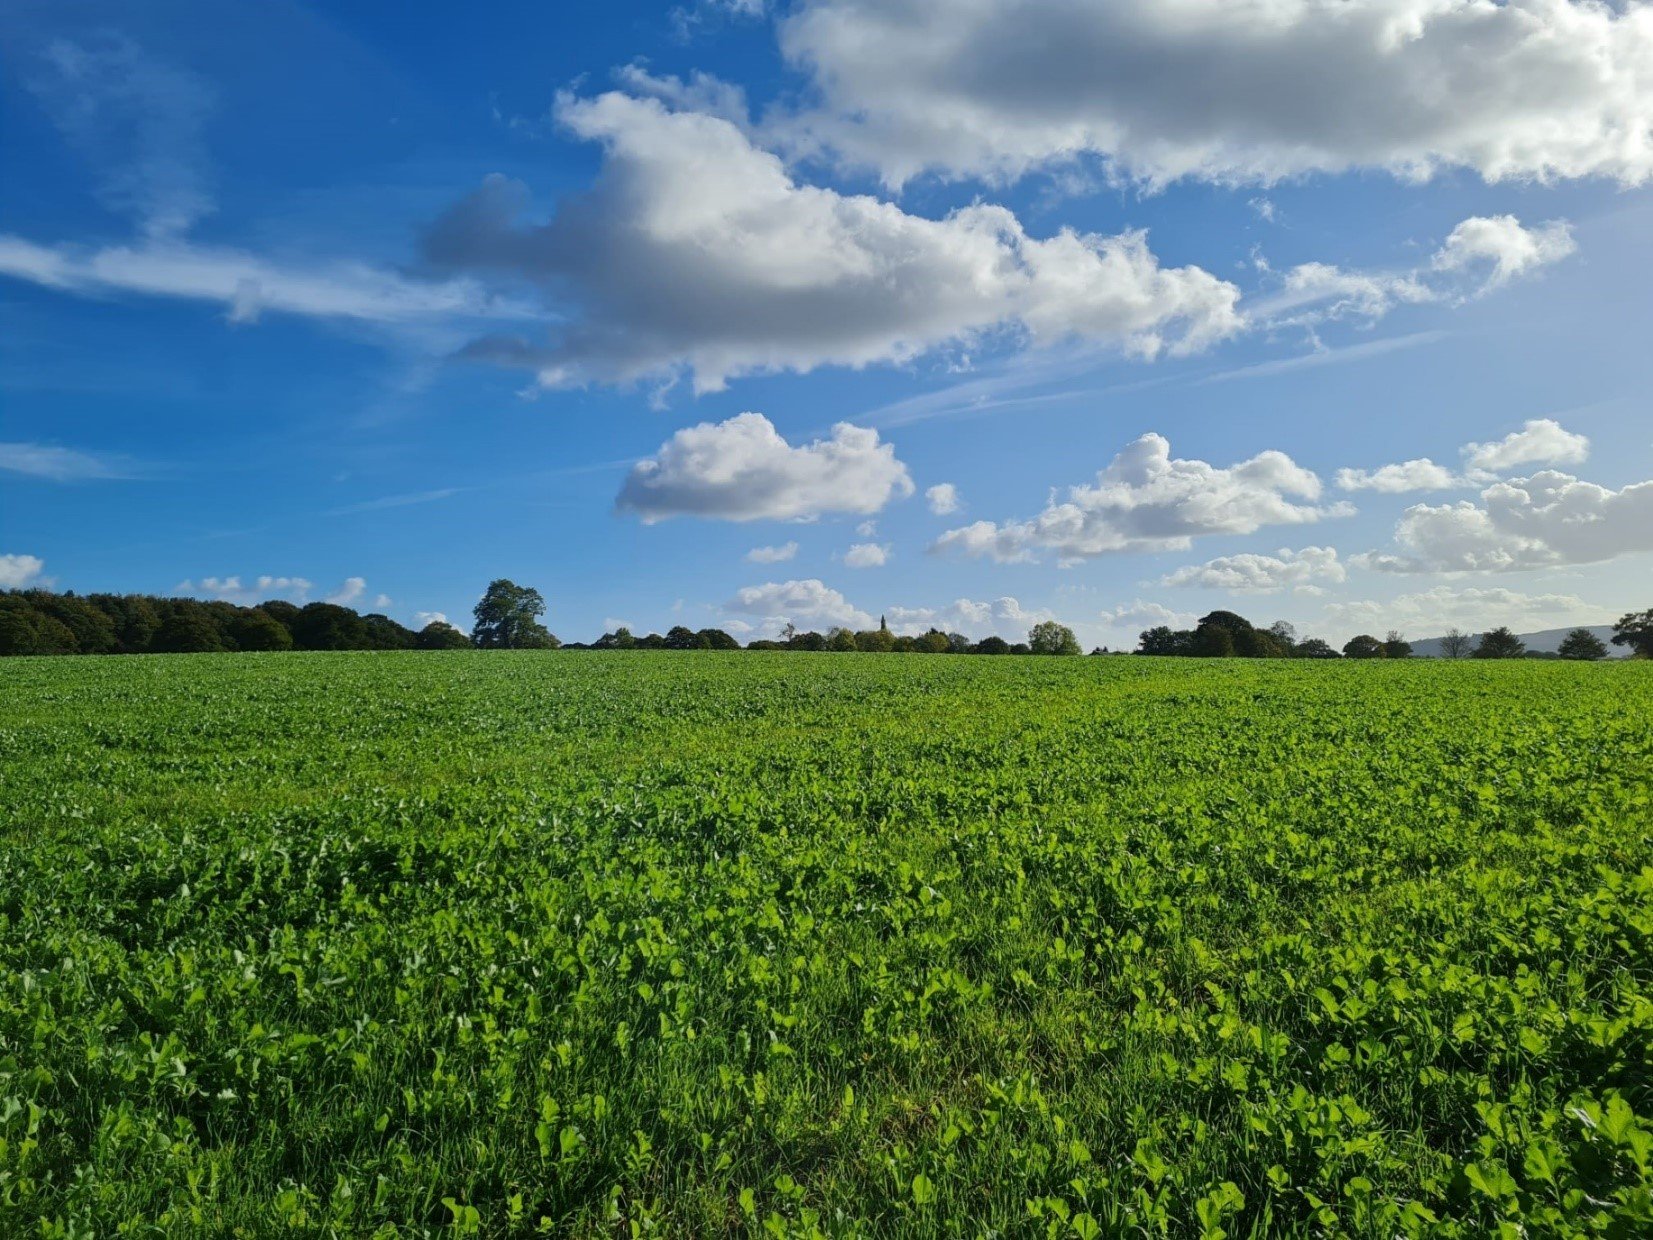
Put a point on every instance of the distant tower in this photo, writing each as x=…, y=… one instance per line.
x=882, y=627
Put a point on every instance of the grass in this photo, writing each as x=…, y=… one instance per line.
x=609, y=944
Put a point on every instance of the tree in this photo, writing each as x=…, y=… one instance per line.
x=992, y=645
x=1455, y=645
x=253, y=629
x=1314, y=648
x=620, y=639
x=1211, y=641
x=1364, y=646
x=383, y=633
x=1164, y=640
x=716, y=639
x=440, y=635
x=933, y=642
x=1582, y=644
x=1500, y=643
x=810, y=640
x=841, y=640
x=1284, y=632
x=1635, y=630
x=507, y=618
x=187, y=630
x=327, y=626
x=1049, y=637
x=1396, y=647
x=25, y=629
x=682, y=637
x=876, y=641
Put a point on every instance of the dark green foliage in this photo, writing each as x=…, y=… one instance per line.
x=507, y=618
x=717, y=639
x=187, y=630
x=1314, y=648
x=1500, y=643
x=1635, y=629
x=992, y=645
x=327, y=626
x=1583, y=645
x=440, y=635
x=1396, y=647
x=26, y=629
x=1365, y=646
x=254, y=629
x=681, y=637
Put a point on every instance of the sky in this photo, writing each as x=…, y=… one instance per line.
x=964, y=313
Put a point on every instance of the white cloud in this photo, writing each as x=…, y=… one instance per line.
x=1480, y=254
x=247, y=285
x=808, y=602
x=867, y=529
x=1430, y=612
x=1250, y=573
x=38, y=460
x=867, y=555
x=1501, y=247
x=350, y=592
x=232, y=590
x=1146, y=500
x=1144, y=615
x=1421, y=474
x=382, y=601
x=18, y=571
x=697, y=251
x=1233, y=92
x=422, y=618
x=1541, y=441
x=742, y=470
x=943, y=499
x=1002, y=617
x=772, y=555
x=1548, y=520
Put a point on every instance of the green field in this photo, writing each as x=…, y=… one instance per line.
x=696, y=944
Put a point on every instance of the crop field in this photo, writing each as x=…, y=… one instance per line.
x=612, y=944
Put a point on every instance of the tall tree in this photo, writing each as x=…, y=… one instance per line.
x=507, y=618
x=440, y=635
x=1635, y=630
x=1582, y=644
x=1049, y=637
x=1456, y=644
x=1396, y=646
x=1500, y=643
x=1365, y=646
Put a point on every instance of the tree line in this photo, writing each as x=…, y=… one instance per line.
x=507, y=617
x=1225, y=635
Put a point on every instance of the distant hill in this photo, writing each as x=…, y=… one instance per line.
x=1544, y=640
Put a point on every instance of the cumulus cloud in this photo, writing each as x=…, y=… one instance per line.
x=19, y=571
x=422, y=618
x=810, y=602
x=1435, y=610
x=1250, y=573
x=1002, y=617
x=1421, y=474
x=697, y=251
x=772, y=555
x=943, y=499
x=1230, y=92
x=743, y=470
x=1549, y=520
x=1146, y=500
x=349, y=592
x=1502, y=248
x=1145, y=615
x=54, y=464
x=867, y=555
x=1541, y=441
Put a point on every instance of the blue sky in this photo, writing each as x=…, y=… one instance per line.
x=683, y=313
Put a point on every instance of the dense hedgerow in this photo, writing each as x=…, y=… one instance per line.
x=600, y=944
